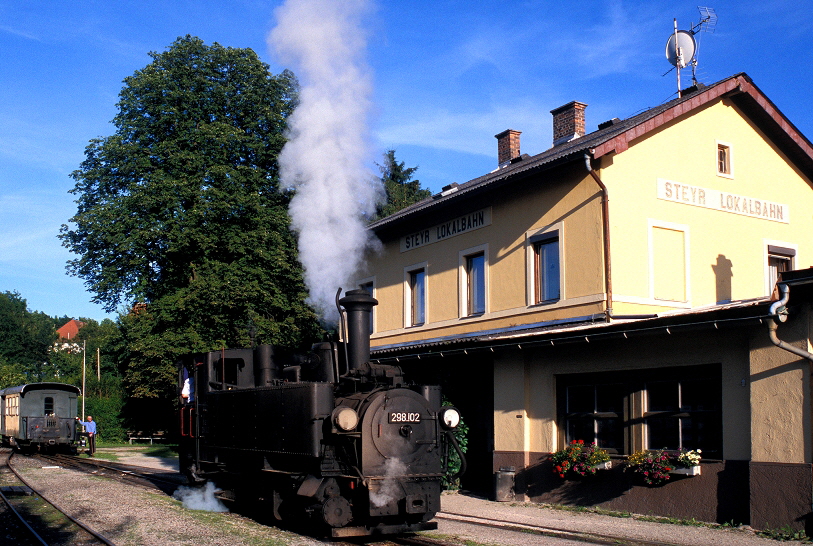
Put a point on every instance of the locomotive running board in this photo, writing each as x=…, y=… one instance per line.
x=344, y=532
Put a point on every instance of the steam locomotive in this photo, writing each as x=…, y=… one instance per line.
x=330, y=437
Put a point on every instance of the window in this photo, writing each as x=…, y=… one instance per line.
x=49, y=406
x=546, y=267
x=780, y=259
x=623, y=412
x=595, y=413
x=724, y=159
x=682, y=413
x=417, y=289
x=476, y=283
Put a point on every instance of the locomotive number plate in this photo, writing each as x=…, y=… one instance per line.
x=405, y=417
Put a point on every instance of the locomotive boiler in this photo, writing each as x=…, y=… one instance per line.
x=328, y=436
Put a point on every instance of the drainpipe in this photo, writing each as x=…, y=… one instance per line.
x=780, y=314
x=605, y=213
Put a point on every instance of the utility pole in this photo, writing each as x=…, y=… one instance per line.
x=84, y=368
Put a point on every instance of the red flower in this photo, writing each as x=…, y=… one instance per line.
x=581, y=442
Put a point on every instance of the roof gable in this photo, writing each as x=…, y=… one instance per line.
x=617, y=137
x=70, y=329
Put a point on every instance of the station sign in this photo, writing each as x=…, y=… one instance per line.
x=723, y=201
x=446, y=230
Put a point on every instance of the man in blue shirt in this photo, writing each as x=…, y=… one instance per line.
x=90, y=430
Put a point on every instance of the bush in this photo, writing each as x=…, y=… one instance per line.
x=453, y=462
x=107, y=414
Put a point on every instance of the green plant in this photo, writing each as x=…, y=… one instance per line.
x=578, y=459
x=786, y=533
x=687, y=459
x=655, y=465
x=450, y=479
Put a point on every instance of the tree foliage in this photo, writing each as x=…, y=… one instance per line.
x=401, y=190
x=180, y=210
x=25, y=339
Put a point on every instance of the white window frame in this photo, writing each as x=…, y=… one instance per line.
x=686, y=258
x=730, y=149
x=408, y=323
x=362, y=282
x=768, y=249
x=463, y=279
x=530, y=262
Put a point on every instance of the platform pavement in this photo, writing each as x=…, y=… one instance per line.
x=537, y=515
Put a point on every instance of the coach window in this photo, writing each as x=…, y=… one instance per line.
x=49, y=406
x=415, y=295
x=546, y=267
x=623, y=412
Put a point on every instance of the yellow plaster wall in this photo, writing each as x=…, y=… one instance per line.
x=718, y=242
x=570, y=198
x=510, y=418
x=543, y=365
x=780, y=398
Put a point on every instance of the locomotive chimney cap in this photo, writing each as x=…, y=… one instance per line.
x=357, y=297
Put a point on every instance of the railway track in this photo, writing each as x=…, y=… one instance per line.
x=136, y=475
x=151, y=478
x=41, y=521
x=550, y=532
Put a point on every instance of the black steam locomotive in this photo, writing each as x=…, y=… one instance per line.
x=327, y=436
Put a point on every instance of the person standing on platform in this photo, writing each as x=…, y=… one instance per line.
x=90, y=431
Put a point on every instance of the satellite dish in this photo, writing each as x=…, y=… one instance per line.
x=680, y=48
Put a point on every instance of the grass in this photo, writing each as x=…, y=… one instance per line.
x=786, y=533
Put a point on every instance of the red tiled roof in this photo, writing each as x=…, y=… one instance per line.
x=69, y=329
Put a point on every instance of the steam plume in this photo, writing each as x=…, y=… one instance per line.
x=200, y=498
x=391, y=485
x=327, y=154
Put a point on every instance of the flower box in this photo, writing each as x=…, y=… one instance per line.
x=606, y=465
x=691, y=471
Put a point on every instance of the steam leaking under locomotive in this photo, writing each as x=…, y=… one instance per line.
x=328, y=437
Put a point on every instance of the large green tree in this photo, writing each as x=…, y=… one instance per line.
x=180, y=210
x=401, y=190
x=25, y=340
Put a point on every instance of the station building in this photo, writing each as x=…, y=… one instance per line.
x=619, y=288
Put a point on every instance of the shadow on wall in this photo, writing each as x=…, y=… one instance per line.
x=541, y=485
x=723, y=272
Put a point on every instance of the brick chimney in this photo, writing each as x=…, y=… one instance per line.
x=568, y=122
x=507, y=146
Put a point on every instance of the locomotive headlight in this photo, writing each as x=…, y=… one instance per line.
x=449, y=417
x=345, y=418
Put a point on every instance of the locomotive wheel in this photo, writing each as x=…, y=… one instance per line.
x=337, y=511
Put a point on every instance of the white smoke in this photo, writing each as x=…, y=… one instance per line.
x=391, y=485
x=327, y=156
x=200, y=498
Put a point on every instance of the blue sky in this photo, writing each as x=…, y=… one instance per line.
x=448, y=75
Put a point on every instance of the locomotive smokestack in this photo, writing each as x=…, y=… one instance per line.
x=358, y=304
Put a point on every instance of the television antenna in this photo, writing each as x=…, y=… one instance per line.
x=681, y=47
